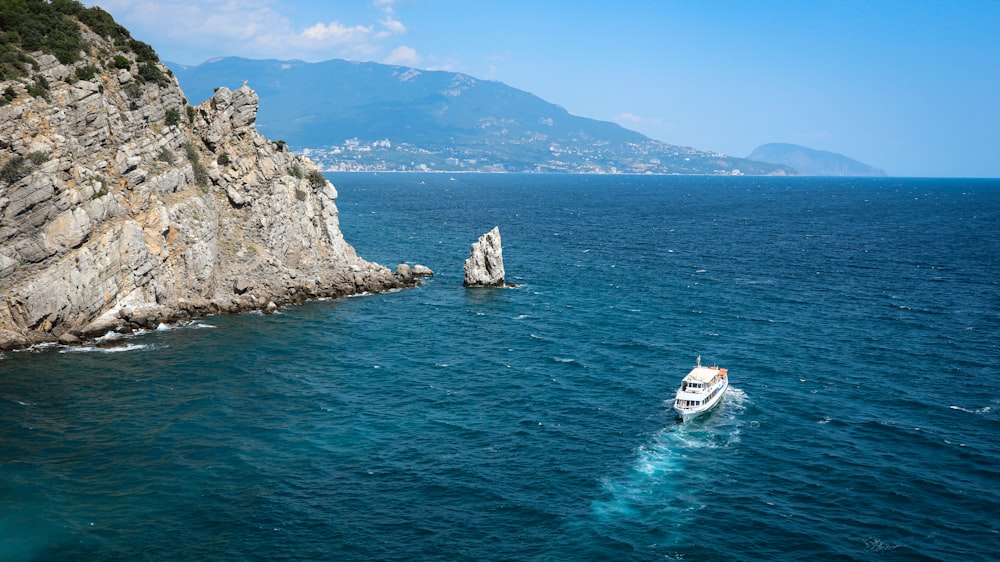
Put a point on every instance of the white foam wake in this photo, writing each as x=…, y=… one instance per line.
x=662, y=477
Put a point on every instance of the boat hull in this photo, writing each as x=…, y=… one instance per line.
x=690, y=413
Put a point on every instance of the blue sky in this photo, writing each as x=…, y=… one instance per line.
x=912, y=87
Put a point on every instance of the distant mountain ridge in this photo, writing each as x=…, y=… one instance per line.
x=810, y=162
x=368, y=116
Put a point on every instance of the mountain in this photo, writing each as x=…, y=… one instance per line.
x=810, y=162
x=363, y=115
x=121, y=206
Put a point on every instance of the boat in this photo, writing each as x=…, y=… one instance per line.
x=701, y=390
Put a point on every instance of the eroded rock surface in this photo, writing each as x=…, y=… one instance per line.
x=122, y=205
x=484, y=267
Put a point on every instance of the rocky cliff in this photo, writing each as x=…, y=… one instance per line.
x=123, y=206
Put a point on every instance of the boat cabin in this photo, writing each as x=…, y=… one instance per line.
x=701, y=384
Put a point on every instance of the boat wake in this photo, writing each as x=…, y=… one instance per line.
x=679, y=457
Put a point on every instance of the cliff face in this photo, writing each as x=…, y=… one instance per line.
x=122, y=205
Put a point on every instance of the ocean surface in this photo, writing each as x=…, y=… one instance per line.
x=859, y=320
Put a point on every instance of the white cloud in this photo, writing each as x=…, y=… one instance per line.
x=336, y=32
x=403, y=56
x=190, y=32
x=633, y=120
x=393, y=26
x=628, y=118
x=390, y=25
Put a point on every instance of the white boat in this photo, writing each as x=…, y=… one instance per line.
x=701, y=390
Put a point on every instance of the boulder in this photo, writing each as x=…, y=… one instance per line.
x=484, y=268
x=241, y=286
x=421, y=271
x=69, y=339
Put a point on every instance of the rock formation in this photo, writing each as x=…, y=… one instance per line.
x=123, y=206
x=484, y=268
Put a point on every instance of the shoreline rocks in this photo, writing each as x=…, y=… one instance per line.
x=127, y=320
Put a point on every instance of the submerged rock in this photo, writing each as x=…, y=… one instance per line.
x=484, y=268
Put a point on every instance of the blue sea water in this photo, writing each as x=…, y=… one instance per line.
x=859, y=320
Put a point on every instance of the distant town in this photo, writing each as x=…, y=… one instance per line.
x=652, y=157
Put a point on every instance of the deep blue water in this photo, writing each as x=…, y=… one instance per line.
x=859, y=320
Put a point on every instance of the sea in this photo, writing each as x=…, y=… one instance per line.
x=859, y=320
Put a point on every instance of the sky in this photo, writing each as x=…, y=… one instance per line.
x=909, y=86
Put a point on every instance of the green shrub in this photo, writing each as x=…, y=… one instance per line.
x=316, y=179
x=143, y=51
x=41, y=27
x=191, y=114
x=200, y=173
x=150, y=72
x=18, y=166
x=223, y=159
x=86, y=72
x=38, y=157
x=296, y=171
x=40, y=87
x=166, y=155
x=121, y=62
x=173, y=117
x=9, y=95
x=280, y=145
x=100, y=22
x=134, y=90
x=14, y=169
x=48, y=26
x=300, y=195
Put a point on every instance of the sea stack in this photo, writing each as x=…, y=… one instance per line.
x=484, y=268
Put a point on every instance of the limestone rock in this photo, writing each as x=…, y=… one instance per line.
x=69, y=339
x=484, y=268
x=112, y=219
x=421, y=271
x=241, y=286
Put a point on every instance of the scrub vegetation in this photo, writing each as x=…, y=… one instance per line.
x=30, y=26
